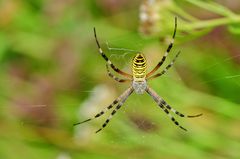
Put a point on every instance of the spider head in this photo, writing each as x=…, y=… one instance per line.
x=139, y=86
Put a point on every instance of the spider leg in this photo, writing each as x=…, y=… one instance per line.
x=107, y=60
x=166, y=69
x=127, y=93
x=158, y=100
x=105, y=109
x=164, y=103
x=166, y=53
x=177, y=112
x=100, y=113
x=114, y=77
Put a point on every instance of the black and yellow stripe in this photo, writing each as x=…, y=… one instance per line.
x=139, y=67
x=124, y=97
x=114, y=77
x=166, y=69
x=166, y=53
x=160, y=103
x=120, y=100
x=107, y=60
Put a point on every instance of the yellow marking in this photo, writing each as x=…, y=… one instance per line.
x=139, y=67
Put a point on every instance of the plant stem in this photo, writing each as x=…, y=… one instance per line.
x=211, y=23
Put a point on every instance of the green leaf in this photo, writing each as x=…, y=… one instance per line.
x=234, y=28
x=213, y=7
x=3, y=45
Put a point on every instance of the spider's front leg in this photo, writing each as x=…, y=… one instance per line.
x=166, y=69
x=114, y=77
x=107, y=60
x=166, y=53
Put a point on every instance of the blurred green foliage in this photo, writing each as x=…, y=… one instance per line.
x=52, y=76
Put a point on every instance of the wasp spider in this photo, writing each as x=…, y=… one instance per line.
x=139, y=80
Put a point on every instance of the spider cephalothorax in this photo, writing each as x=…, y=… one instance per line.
x=139, y=79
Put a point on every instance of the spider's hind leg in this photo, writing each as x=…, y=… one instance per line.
x=105, y=109
x=126, y=94
x=100, y=113
x=109, y=118
x=158, y=100
x=178, y=113
x=164, y=103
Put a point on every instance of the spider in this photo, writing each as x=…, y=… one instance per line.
x=139, y=84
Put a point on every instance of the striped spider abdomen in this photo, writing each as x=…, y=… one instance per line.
x=139, y=73
x=139, y=67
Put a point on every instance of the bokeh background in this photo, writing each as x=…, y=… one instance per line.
x=51, y=76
